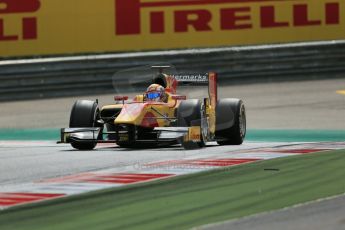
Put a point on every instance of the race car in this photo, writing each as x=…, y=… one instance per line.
x=159, y=117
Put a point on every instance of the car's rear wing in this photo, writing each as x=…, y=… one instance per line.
x=171, y=81
x=209, y=79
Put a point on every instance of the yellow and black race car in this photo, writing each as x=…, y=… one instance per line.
x=159, y=117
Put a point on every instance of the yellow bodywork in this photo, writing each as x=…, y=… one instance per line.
x=194, y=134
x=145, y=114
x=159, y=114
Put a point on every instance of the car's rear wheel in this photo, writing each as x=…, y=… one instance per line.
x=84, y=114
x=192, y=113
x=230, y=121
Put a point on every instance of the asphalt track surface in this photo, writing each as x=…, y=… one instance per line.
x=322, y=214
x=26, y=162
x=284, y=105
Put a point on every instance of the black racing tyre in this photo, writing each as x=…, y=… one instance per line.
x=84, y=114
x=191, y=113
x=230, y=121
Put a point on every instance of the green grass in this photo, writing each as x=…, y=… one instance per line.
x=29, y=134
x=295, y=135
x=193, y=200
x=269, y=135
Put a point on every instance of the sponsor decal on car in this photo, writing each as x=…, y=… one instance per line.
x=192, y=78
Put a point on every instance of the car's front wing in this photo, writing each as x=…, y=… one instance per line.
x=164, y=134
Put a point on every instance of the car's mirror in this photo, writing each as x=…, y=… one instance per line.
x=121, y=98
x=178, y=97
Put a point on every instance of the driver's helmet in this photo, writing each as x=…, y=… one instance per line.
x=155, y=92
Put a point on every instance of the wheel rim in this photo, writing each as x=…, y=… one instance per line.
x=203, y=124
x=242, y=121
x=96, y=117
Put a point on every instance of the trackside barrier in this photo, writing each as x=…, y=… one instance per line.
x=83, y=75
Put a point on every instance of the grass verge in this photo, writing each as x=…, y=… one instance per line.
x=192, y=200
x=30, y=134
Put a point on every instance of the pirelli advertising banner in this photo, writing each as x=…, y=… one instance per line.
x=48, y=27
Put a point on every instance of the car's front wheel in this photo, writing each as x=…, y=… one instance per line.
x=84, y=114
